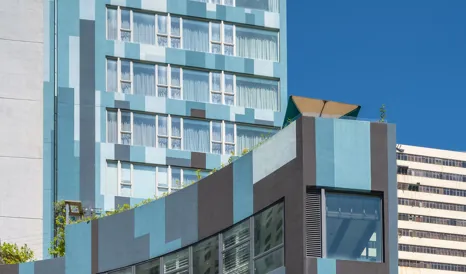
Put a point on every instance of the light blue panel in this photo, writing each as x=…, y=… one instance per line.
x=134, y=4
x=212, y=161
x=243, y=188
x=392, y=199
x=233, y=14
x=175, y=56
x=26, y=268
x=78, y=238
x=137, y=102
x=196, y=9
x=68, y=16
x=210, y=60
x=155, y=104
x=68, y=170
x=87, y=9
x=132, y=51
x=99, y=170
x=276, y=69
x=180, y=154
x=150, y=219
x=194, y=105
x=278, y=118
x=325, y=155
x=234, y=64
x=248, y=116
x=76, y=149
x=135, y=201
x=352, y=154
x=258, y=17
x=176, y=107
x=156, y=155
x=326, y=266
x=177, y=6
x=103, y=124
x=138, y=154
x=109, y=47
x=152, y=53
x=107, y=99
x=217, y=111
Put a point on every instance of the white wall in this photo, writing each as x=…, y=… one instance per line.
x=21, y=78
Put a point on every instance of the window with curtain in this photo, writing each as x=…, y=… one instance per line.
x=195, y=85
x=267, y=5
x=175, y=133
x=125, y=28
x=176, y=178
x=162, y=81
x=125, y=128
x=230, y=139
x=162, y=131
x=175, y=84
x=125, y=74
x=144, y=130
x=112, y=24
x=247, y=137
x=162, y=180
x=175, y=32
x=257, y=44
x=112, y=75
x=144, y=79
x=217, y=137
x=144, y=28
x=125, y=180
x=143, y=181
x=112, y=126
x=257, y=93
x=195, y=35
x=162, y=30
x=112, y=178
x=196, y=135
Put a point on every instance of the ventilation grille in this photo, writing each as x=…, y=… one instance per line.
x=313, y=225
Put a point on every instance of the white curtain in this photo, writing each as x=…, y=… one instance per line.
x=144, y=130
x=247, y=137
x=125, y=24
x=112, y=127
x=144, y=79
x=196, y=135
x=257, y=93
x=112, y=80
x=257, y=44
x=196, y=35
x=196, y=86
x=112, y=24
x=112, y=178
x=267, y=5
x=144, y=28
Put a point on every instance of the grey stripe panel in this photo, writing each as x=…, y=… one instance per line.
x=308, y=143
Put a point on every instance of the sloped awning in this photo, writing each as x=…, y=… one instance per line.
x=318, y=108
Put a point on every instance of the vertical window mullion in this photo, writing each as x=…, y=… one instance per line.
x=234, y=140
x=210, y=37
x=234, y=89
x=222, y=87
x=169, y=31
x=222, y=35
x=234, y=40
x=211, y=79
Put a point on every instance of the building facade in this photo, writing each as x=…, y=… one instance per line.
x=21, y=109
x=143, y=96
x=432, y=210
x=324, y=202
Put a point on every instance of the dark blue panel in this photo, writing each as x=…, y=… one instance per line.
x=122, y=104
x=122, y=153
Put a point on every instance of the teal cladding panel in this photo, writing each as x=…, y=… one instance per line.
x=26, y=268
x=325, y=155
x=352, y=154
x=326, y=266
x=137, y=154
x=243, y=194
x=78, y=245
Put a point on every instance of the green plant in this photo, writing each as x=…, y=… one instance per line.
x=198, y=174
x=13, y=254
x=57, y=246
x=383, y=114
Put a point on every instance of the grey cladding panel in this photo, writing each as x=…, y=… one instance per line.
x=55, y=266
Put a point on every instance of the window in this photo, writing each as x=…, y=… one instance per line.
x=248, y=137
x=112, y=75
x=266, y=5
x=205, y=256
x=112, y=126
x=125, y=181
x=223, y=138
x=126, y=270
x=144, y=130
x=223, y=88
x=196, y=135
x=177, y=262
x=196, y=85
x=257, y=93
x=236, y=249
x=151, y=267
x=354, y=227
x=218, y=37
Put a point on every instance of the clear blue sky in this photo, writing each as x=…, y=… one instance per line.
x=407, y=54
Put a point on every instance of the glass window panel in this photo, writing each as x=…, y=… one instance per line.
x=163, y=126
x=143, y=181
x=176, y=260
x=269, y=262
x=229, y=50
x=268, y=229
x=163, y=142
x=162, y=92
x=205, y=257
x=267, y=5
x=196, y=135
x=144, y=130
x=175, y=43
x=236, y=234
x=125, y=19
x=230, y=149
x=126, y=87
x=228, y=32
x=229, y=83
x=162, y=75
x=175, y=26
x=229, y=100
x=354, y=222
x=236, y=260
x=144, y=28
x=125, y=121
x=196, y=35
x=126, y=138
x=162, y=41
x=112, y=179
x=217, y=48
x=144, y=79
x=229, y=132
x=189, y=176
x=126, y=270
x=257, y=44
x=125, y=36
x=217, y=131
x=248, y=137
x=216, y=32
x=176, y=177
x=126, y=173
x=175, y=76
x=125, y=70
x=195, y=85
x=125, y=190
x=162, y=176
x=216, y=81
x=216, y=98
x=112, y=75
x=175, y=93
x=112, y=127
x=151, y=267
x=257, y=93
x=161, y=24
x=112, y=25
x=176, y=126
x=176, y=143
x=216, y=148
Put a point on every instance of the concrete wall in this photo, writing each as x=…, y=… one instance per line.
x=21, y=76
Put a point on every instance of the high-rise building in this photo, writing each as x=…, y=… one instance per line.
x=143, y=96
x=432, y=210
x=21, y=108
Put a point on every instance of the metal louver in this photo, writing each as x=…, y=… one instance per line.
x=313, y=219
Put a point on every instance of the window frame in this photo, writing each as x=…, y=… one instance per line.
x=222, y=43
x=222, y=92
